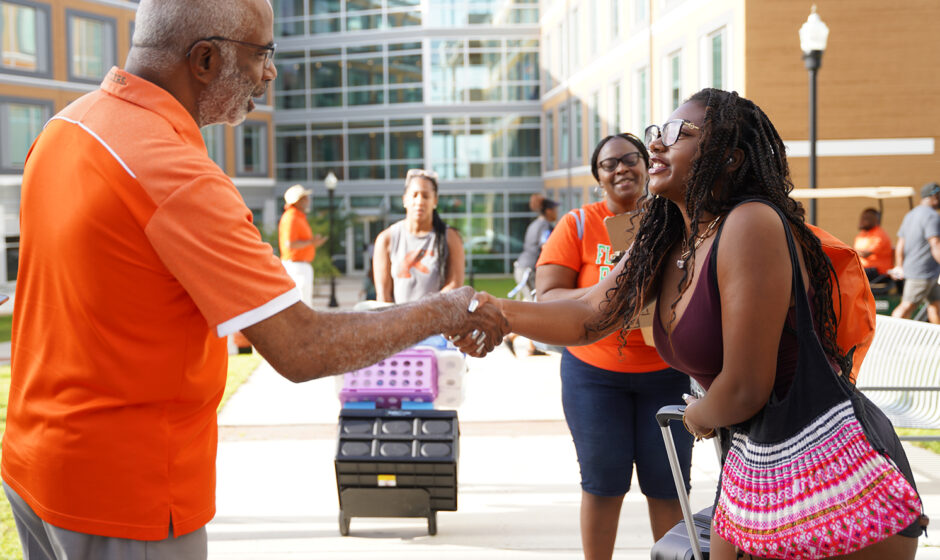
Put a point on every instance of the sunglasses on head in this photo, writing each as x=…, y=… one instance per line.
x=421, y=173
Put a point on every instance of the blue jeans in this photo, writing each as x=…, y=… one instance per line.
x=612, y=418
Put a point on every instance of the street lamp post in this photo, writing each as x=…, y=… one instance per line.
x=330, y=182
x=813, y=36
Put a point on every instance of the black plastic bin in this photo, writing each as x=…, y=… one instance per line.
x=396, y=463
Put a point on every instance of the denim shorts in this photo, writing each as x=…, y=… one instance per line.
x=612, y=418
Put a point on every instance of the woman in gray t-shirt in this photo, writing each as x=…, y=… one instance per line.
x=419, y=255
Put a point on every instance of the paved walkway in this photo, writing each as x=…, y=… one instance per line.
x=518, y=493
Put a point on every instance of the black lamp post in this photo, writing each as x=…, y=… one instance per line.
x=813, y=36
x=330, y=182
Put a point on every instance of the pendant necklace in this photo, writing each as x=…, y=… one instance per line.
x=684, y=257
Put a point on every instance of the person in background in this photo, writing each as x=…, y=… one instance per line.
x=611, y=395
x=873, y=244
x=421, y=254
x=297, y=242
x=917, y=256
x=124, y=303
x=536, y=234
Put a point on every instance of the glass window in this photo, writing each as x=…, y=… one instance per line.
x=613, y=127
x=24, y=38
x=20, y=124
x=291, y=149
x=291, y=82
x=522, y=142
x=675, y=80
x=252, y=148
x=365, y=72
x=577, y=116
x=367, y=146
x=550, y=140
x=404, y=69
x=639, y=12
x=564, y=135
x=91, y=46
x=595, y=17
x=288, y=18
x=615, y=18
x=326, y=74
x=327, y=147
x=595, y=119
x=717, y=60
x=407, y=145
x=214, y=137
x=318, y=7
x=642, y=100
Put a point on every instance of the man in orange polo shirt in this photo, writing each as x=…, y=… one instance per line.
x=124, y=301
x=297, y=243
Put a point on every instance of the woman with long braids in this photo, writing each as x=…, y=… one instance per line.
x=610, y=394
x=723, y=311
x=419, y=255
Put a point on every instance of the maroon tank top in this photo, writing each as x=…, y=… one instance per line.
x=695, y=346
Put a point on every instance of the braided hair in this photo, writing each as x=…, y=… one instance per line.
x=731, y=122
x=441, y=249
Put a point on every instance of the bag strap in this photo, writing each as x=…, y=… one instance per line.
x=579, y=221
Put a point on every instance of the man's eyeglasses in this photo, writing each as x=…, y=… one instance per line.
x=421, y=173
x=611, y=164
x=670, y=131
x=268, y=49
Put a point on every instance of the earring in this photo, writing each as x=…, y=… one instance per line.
x=730, y=161
x=599, y=191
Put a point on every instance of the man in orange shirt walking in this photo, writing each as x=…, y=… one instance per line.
x=123, y=303
x=297, y=242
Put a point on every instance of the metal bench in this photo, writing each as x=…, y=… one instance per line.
x=901, y=374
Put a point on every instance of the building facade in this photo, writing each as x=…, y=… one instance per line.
x=620, y=65
x=370, y=88
x=54, y=51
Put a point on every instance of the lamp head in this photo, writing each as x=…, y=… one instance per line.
x=330, y=181
x=813, y=33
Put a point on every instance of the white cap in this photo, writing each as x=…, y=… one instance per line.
x=295, y=193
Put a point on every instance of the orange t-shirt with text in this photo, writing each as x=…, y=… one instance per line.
x=294, y=227
x=137, y=257
x=590, y=257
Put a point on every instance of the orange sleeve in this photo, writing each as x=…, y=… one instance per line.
x=217, y=254
x=563, y=246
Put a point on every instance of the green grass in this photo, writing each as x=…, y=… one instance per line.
x=240, y=367
x=6, y=326
x=497, y=286
x=931, y=445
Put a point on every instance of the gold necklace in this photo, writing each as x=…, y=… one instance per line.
x=684, y=257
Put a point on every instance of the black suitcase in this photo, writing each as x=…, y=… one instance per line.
x=690, y=538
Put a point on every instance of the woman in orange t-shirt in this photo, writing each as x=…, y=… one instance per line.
x=610, y=400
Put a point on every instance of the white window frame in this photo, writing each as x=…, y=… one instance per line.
x=265, y=165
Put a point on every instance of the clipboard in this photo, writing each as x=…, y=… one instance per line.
x=621, y=230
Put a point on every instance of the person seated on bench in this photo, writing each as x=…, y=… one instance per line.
x=873, y=244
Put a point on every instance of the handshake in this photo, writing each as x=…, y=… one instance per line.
x=479, y=325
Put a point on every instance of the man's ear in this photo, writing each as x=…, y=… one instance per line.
x=204, y=61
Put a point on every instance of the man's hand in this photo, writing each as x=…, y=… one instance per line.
x=482, y=325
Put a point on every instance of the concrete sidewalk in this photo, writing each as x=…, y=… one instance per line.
x=518, y=492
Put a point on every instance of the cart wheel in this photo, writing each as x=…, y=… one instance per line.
x=343, y=524
x=432, y=523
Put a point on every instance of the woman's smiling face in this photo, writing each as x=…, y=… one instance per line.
x=624, y=184
x=669, y=166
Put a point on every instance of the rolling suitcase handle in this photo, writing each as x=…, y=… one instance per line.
x=663, y=417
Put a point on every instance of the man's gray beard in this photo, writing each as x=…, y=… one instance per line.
x=225, y=99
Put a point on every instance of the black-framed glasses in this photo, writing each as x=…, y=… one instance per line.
x=611, y=164
x=268, y=49
x=670, y=131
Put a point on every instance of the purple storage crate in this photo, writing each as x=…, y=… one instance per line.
x=410, y=375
